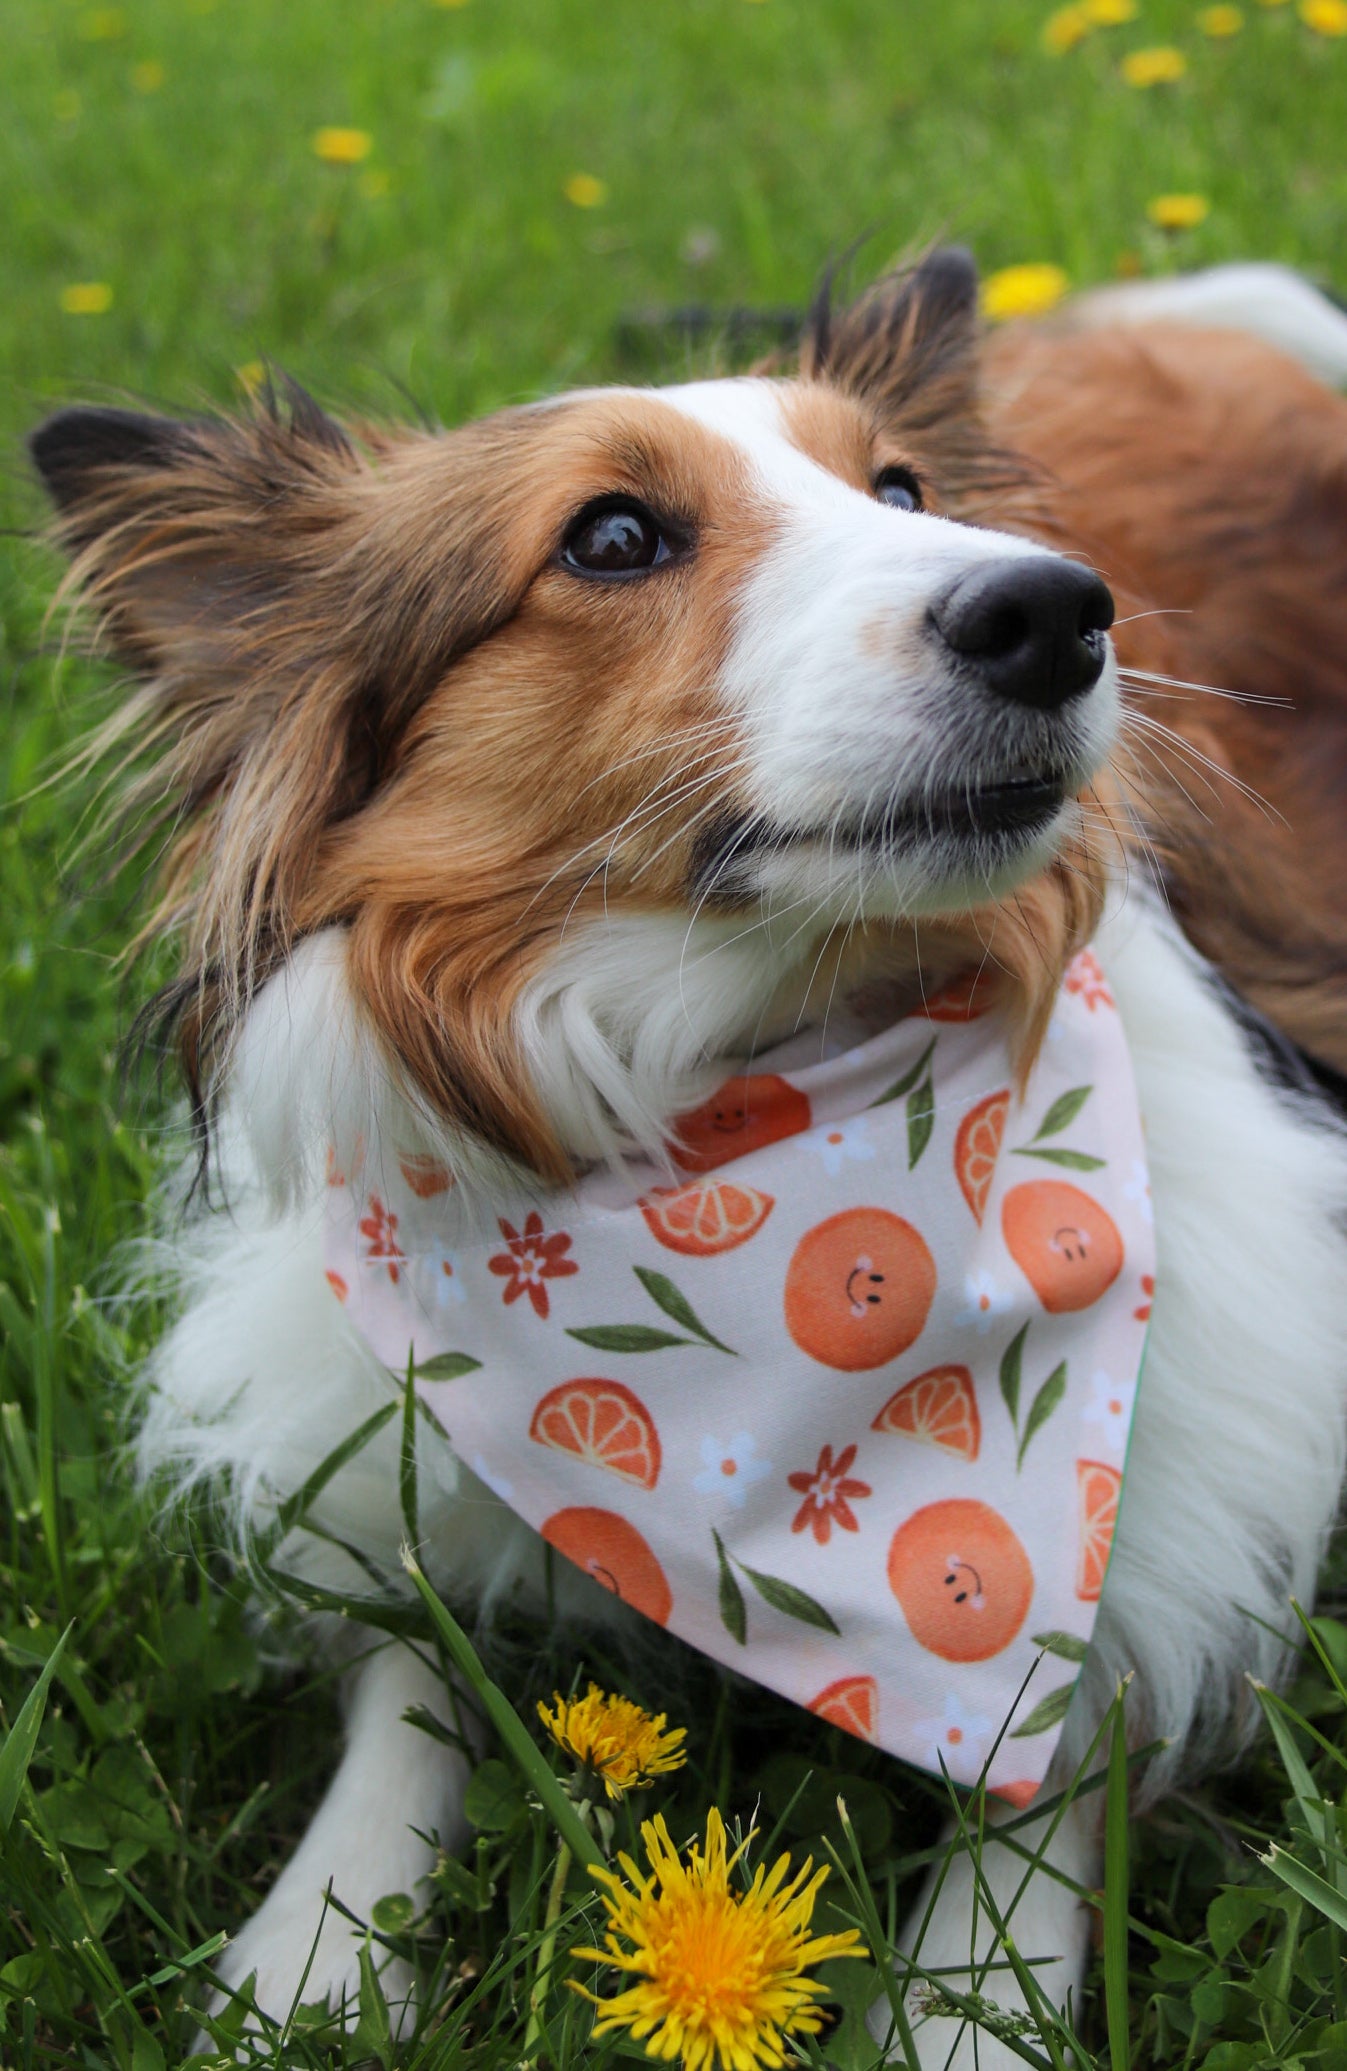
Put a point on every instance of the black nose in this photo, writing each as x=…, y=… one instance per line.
x=1033, y=628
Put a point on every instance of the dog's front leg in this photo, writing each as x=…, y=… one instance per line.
x=950, y=1931
x=393, y=1779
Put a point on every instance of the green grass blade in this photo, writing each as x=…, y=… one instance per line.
x=507, y=1722
x=1116, y=1885
x=21, y=1739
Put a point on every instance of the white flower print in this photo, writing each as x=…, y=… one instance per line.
x=1138, y=1189
x=957, y=1739
x=838, y=1141
x=983, y=1302
x=731, y=1470
x=1111, y=1409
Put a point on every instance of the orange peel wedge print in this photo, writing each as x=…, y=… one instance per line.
x=613, y=1552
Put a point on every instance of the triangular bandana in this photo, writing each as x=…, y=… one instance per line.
x=847, y=1407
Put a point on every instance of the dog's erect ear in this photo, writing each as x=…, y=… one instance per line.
x=909, y=348
x=74, y=449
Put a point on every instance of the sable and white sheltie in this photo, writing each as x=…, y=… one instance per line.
x=513, y=781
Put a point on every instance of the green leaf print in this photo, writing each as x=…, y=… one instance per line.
x=1046, y=1714
x=792, y=1602
x=1063, y=1112
x=1012, y=1367
x=1044, y=1403
x=909, y=1078
x=1075, y=1161
x=447, y=1366
x=732, y=1614
x=920, y=1120
x=1066, y=1644
x=626, y=1337
x=666, y=1296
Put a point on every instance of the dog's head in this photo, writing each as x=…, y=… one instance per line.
x=604, y=728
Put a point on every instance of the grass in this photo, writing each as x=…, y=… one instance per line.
x=162, y=149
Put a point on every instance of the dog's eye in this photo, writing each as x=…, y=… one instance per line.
x=899, y=488
x=616, y=537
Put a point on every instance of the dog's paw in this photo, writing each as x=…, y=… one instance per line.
x=302, y=1955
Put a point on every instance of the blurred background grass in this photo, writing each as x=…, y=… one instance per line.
x=519, y=195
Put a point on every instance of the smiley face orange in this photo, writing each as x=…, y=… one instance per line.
x=962, y=1579
x=859, y=1288
x=755, y=1109
x=1065, y=1244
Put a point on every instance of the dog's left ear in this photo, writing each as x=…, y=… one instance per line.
x=910, y=348
x=916, y=329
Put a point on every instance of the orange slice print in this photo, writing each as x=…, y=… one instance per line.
x=425, y=1176
x=977, y=1148
x=741, y=1116
x=602, y=1423
x=938, y=1408
x=702, y=1220
x=615, y=1554
x=852, y=1703
x=1098, y=1488
x=1017, y=1794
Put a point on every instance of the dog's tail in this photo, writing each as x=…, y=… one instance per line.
x=1261, y=299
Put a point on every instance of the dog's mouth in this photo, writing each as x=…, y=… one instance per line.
x=989, y=822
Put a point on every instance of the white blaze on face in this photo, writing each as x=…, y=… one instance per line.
x=852, y=706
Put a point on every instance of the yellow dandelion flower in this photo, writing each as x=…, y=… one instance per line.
x=86, y=298
x=1109, y=14
x=1178, y=211
x=148, y=77
x=719, y=1975
x=1325, y=17
x=583, y=191
x=1022, y=291
x=621, y=1745
x=1063, y=30
x=250, y=377
x=342, y=146
x=66, y=106
x=103, y=25
x=1220, y=21
x=1158, y=65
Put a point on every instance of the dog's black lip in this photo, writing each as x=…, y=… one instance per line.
x=1011, y=809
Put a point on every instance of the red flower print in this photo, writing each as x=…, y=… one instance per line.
x=381, y=1227
x=1143, y=1313
x=1084, y=975
x=530, y=1260
x=827, y=1493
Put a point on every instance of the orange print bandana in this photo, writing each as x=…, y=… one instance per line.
x=845, y=1404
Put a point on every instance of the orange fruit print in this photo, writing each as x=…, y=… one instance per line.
x=859, y=1288
x=852, y=1703
x=702, y=1220
x=1017, y=1794
x=977, y=1148
x=615, y=1554
x=1099, y=1488
x=603, y=1423
x=741, y=1116
x=967, y=996
x=938, y=1408
x=962, y=1578
x=1065, y=1244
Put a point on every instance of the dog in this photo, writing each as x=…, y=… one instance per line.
x=517, y=782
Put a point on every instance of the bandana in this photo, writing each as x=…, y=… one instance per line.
x=845, y=1405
